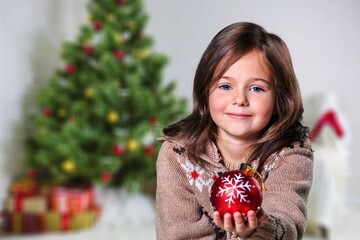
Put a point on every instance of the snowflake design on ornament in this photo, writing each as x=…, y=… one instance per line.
x=234, y=188
x=198, y=176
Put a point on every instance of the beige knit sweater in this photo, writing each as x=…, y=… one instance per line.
x=183, y=208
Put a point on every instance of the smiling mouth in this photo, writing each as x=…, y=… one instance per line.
x=239, y=115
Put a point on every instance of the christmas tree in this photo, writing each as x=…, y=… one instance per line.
x=100, y=114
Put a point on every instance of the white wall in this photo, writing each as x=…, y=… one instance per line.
x=322, y=35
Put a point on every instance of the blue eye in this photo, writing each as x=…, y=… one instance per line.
x=256, y=89
x=225, y=87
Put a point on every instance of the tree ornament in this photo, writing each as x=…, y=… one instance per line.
x=61, y=112
x=88, y=49
x=31, y=173
x=119, y=54
x=89, y=92
x=47, y=112
x=73, y=119
x=118, y=150
x=153, y=120
x=97, y=26
x=112, y=117
x=237, y=191
x=149, y=150
x=110, y=17
x=70, y=69
x=119, y=38
x=132, y=145
x=120, y=2
x=142, y=54
x=106, y=176
x=131, y=25
x=68, y=166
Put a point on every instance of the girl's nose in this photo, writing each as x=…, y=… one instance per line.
x=241, y=100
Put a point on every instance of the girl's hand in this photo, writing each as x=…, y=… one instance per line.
x=238, y=224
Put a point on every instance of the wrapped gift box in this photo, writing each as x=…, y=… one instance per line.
x=71, y=200
x=24, y=187
x=55, y=221
x=34, y=209
x=30, y=204
x=50, y=221
x=23, y=223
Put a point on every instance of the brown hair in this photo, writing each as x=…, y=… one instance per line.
x=230, y=44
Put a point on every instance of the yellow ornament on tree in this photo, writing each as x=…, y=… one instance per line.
x=89, y=93
x=142, y=54
x=90, y=18
x=112, y=117
x=68, y=166
x=110, y=17
x=131, y=25
x=61, y=112
x=119, y=38
x=132, y=145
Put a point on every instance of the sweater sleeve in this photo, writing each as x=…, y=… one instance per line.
x=285, y=200
x=178, y=213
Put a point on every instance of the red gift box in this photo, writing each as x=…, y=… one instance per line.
x=32, y=223
x=23, y=223
x=71, y=200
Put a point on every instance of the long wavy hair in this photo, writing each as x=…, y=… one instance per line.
x=228, y=46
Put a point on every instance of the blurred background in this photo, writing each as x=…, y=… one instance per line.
x=323, y=39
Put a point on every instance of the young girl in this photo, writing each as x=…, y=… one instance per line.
x=247, y=109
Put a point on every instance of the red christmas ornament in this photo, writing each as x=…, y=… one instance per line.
x=97, y=26
x=118, y=150
x=47, y=112
x=149, y=150
x=119, y=54
x=120, y=2
x=153, y=120
x=237, y=191
x=106, y=176
x=70, y=69
x=88, y=49
x=31, y=173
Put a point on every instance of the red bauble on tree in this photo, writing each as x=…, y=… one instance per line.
x=97, y=26
x=154, y=120
x=237, y=191
x=120, y=2
x=88, y=49
x=149, y=150
x=106, y=176
x=118, y=150
x=47, y=112
x=119, y=54
x=70, y=69
x=31, y=173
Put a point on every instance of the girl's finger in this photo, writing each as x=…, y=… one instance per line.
x=252, y=220
x=217, y=219
x=228, y=223
x=240, y=224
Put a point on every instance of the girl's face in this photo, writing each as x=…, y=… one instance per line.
x=242, y=101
